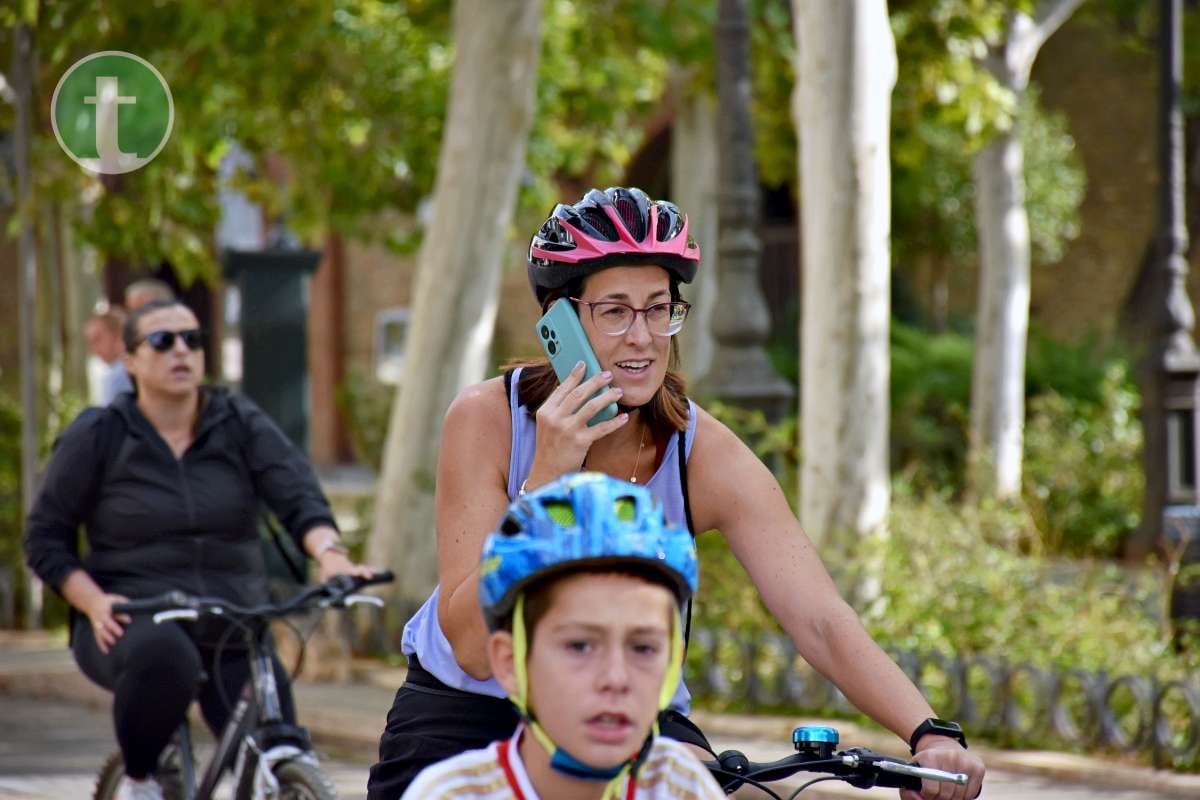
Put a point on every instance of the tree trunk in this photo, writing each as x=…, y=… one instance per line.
x=846, y=69
x=458, y=277
x=75, y=309
x=998, y=379
x=24, y=67
x=694, y=190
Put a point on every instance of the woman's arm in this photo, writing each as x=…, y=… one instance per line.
x=734, y=492
x=65, y=499
x=472, y=495
x=472, y=488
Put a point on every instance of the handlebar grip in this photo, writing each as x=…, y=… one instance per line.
x=387, y=576
x=152, y=605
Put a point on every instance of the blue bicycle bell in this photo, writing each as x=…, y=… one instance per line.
x=817, y=741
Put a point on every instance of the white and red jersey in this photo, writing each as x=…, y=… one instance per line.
x=670, y=772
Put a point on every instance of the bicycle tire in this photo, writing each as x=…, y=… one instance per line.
x=169, y=776
x=109, y=777
x=302, y=780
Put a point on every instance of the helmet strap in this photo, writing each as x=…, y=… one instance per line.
x=562, y=761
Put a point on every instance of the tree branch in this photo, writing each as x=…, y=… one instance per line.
x=1026, y=35
x=1050, y=16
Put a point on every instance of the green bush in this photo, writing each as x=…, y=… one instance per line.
x=1082, y=462
x=950, y=582
x=59, y=412
x=1083, y=476
x=365, y=406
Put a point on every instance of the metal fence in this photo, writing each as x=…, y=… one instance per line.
x=1017, y=702
x=1020, y=703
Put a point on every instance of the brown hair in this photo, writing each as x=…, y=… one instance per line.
x=666, y=413
x=540, y=595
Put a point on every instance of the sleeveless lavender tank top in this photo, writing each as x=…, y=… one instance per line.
x=423, y=635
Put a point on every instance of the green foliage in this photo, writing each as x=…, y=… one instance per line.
x=930, y=405
x=348, y=92
x=10, y=482
x=365, y=406
x=773, y=68
x=933, y=188
x=1083, y=477
x=59, y=411
x=951, y=581
x=991, y=599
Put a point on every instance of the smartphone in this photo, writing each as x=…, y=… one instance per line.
x=566, y=344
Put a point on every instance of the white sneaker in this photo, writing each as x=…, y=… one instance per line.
x=130, y=789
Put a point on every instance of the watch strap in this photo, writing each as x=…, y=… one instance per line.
x=938, y=727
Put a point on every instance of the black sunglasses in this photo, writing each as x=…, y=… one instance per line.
x=162, y=341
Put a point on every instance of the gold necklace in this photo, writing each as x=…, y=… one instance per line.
x=641, y=444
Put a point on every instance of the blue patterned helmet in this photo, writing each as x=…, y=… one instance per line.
x=580, y=520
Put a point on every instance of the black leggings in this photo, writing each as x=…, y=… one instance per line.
x=429, y=722
x=154, y=672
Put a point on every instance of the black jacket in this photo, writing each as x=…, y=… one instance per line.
x=155, y=522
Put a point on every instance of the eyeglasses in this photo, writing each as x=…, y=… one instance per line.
x=614, y=319
x=162, y=341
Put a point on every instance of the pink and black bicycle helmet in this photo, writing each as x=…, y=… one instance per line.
x=604, y=229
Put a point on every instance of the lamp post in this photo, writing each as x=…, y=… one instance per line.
x=740, y=373
x=1171, y=405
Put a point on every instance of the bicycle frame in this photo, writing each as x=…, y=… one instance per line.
x=256, y=739
x=237, y=748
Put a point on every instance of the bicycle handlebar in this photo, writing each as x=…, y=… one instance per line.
x=336, y=592
x=857, y=766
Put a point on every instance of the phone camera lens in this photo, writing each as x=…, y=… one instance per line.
x=545, y=332
x=552, y=348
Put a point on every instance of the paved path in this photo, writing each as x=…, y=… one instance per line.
x=55, y=733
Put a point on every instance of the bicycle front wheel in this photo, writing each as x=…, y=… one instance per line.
x=300, y=780
x=169, y=775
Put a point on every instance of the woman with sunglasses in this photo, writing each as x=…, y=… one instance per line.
x=619, y=258
x=167, y=483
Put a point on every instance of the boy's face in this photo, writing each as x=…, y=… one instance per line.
x=596, y=664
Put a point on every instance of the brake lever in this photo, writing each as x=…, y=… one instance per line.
x=363, y=599
x=926, y=773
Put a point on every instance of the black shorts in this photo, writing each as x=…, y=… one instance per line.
x=430, y=722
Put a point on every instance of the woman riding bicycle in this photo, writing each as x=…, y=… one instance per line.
x=619, y=258
x=167, y=482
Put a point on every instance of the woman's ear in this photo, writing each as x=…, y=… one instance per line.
x=500, y=656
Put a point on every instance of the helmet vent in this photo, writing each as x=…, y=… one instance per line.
x=511, y=526
x=630, y=217
x=670, y=222
x=562, y=513
x=600, y=221
x=625, y=509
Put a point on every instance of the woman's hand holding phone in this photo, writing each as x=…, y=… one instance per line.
x=563, y=434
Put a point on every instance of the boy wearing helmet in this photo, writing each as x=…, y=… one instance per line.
x=581, y=588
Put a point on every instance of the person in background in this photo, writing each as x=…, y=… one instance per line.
x=143, y=291
x=166, y=482
x=103, y=335
x=106, y=328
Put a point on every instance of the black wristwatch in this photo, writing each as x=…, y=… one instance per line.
x=938, y=727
